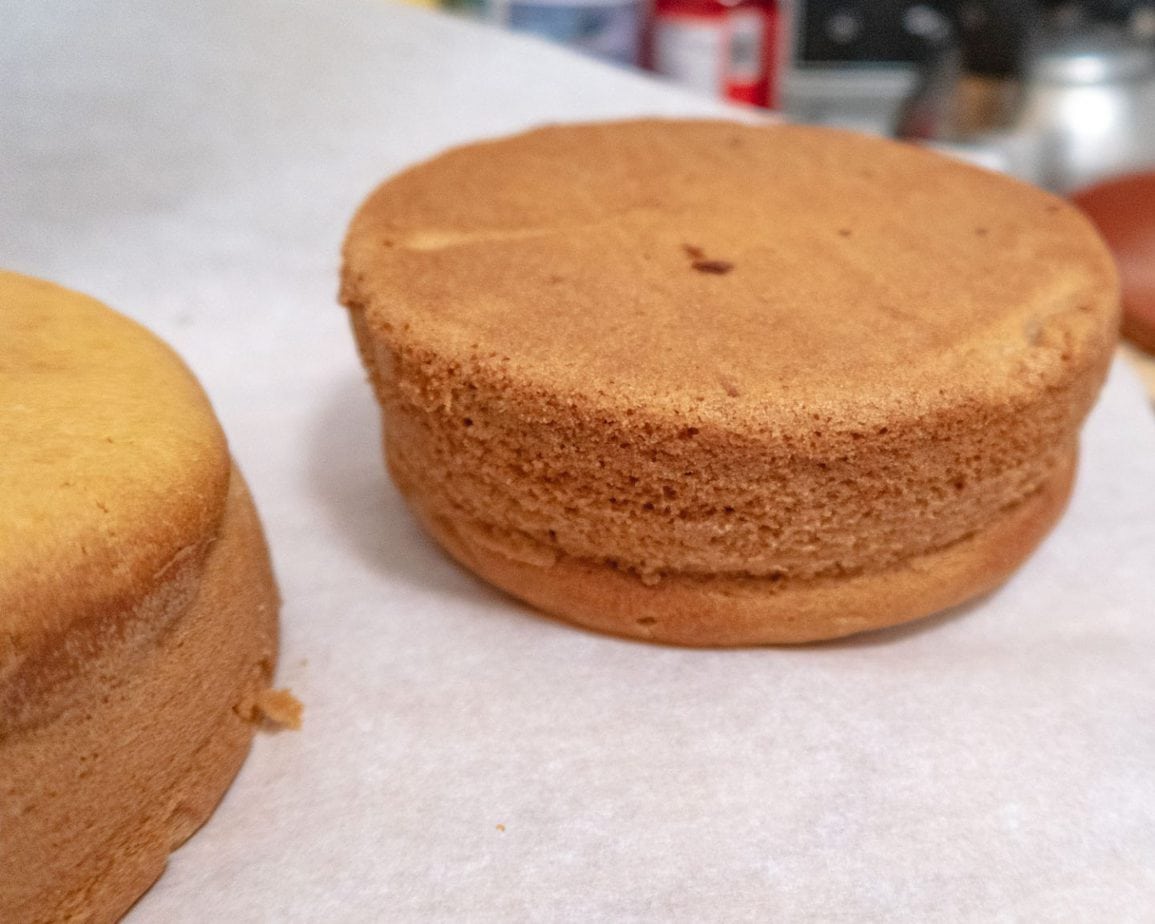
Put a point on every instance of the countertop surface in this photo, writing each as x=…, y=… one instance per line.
x=194, y=165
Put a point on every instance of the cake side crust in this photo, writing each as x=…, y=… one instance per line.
x=143, y=747
x=660, y=497
x=734, y=611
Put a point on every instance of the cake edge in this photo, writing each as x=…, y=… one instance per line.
x=734, y=612
x=236, y=604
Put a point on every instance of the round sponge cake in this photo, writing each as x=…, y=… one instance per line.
x=137, y=607
x=715, y=384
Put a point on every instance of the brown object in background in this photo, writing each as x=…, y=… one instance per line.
x=1124, y=211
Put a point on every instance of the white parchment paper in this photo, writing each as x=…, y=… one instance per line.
x=195, y=164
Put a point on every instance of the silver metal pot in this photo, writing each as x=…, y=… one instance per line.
x=1089, y=108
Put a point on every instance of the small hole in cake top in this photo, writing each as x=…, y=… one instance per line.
x=713, y=267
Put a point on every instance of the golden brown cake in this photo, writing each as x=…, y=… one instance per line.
x=137, y=607
x=714, y=384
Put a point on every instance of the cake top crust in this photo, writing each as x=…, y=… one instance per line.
x=748, y=276
x=113, y=468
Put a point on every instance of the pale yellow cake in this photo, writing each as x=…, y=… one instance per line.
x=138, y=613
x=715, y=384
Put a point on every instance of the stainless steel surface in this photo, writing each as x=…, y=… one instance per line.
x=1083, y=109
x=849, y=96
x=1095, y=57
x=851, y=63
x=1090, y=108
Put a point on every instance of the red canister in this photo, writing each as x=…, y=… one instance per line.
x=729, y=50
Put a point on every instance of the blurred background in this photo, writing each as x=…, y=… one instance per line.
x=1060, y=93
